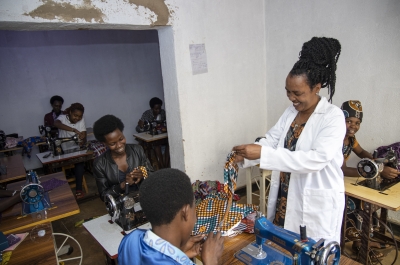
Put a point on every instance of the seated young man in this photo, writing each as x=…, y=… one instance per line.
x=167, y=200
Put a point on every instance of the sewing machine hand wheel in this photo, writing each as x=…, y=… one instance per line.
x=332, y=249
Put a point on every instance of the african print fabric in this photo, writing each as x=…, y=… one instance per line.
x=352, y=108
x=291, y=138
x=213, y=208
x=211, y=211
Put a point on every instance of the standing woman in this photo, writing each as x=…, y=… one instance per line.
x=304, y=148
x=68, y=125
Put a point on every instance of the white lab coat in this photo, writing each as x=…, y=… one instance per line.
x=316, y=189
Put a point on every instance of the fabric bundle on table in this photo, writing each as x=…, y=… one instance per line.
x=212, y=201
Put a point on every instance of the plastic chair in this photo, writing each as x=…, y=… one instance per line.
x=259, y=178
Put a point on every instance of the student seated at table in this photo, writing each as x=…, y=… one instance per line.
x=119, y=164
x=353, y=113
x=69, y=124
x=56, y=102
x=167, y=200
x=155, y=113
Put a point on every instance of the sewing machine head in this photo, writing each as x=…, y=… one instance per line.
x=34, y=198
x=275, y=245
x=156, y=126
x=55, y=143
x=125, y=210
x=371, y=169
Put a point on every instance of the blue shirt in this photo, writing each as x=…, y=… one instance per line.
x=143, y=247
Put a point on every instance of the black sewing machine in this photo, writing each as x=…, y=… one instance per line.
x=125, y=210
x=155, y=127
x=303, y=250
x=371, y=169
x=55, y=143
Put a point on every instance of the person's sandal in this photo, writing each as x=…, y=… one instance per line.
x=79, y=194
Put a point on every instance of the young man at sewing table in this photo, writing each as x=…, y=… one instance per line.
x=167, y=200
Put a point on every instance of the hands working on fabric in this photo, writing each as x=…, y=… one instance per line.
x=113, y=169
x=303, y=149
x=353, y=113
x=248, y=151
x=167, y=200
x=134, y=177
x=211, y=244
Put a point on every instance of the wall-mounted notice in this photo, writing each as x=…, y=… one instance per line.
x=198, y=57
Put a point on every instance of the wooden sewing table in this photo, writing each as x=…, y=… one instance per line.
x=62, y=201
x=389, y=199
x=53, y=162
x=15, y=168
x=148, y=141
x=236, y=243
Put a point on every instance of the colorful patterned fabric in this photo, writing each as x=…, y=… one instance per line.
x=382, y=151
x=28, y=143
x=211, y=211
x=291, y=138
x=216, y=211
x=346, y=149
x=97, y=147
x=352, y=108
x=202, y=189
x=230, y=174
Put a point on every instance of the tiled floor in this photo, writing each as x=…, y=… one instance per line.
x=92, y=206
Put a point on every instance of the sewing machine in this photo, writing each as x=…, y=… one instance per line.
x=55, y=143
x=371, y=169
x=303, y=250
x=125, y=210
x=33, y=196
x=156, y=126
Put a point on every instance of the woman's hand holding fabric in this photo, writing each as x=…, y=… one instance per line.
x=248, y=151
x=137, y=176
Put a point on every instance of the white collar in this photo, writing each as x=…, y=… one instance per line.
x=163, y=246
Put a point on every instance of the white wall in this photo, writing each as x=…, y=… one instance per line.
x=368, y=66
x=211, y=112
x=109, y=72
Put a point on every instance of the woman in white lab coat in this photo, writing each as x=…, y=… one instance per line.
x=304, y=148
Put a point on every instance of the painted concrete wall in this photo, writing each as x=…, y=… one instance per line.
x=368, y=66
x=109, y=72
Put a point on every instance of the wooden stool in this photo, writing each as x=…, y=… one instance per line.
x=71, y=181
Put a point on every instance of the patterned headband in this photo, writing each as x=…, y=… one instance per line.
x=352, y=108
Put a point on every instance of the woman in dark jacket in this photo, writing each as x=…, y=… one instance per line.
x=119, y=165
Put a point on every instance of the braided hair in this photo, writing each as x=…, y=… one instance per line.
x=317, y=61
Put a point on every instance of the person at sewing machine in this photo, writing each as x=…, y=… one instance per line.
x=56, y=103
x=119, y=165
x=69, y=124
x=353, y=113
x=304, y=148
x=155, y=113
x=167, y=200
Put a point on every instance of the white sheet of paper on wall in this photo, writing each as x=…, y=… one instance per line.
x=198, y=58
